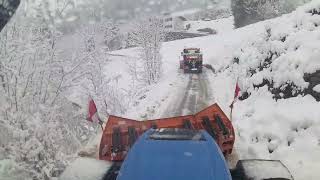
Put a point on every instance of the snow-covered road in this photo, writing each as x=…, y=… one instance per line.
x=190, y=98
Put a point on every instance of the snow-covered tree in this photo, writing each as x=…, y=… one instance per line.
x=149, y=34
x=94, y=45
x=43, y=128
x=110, y=32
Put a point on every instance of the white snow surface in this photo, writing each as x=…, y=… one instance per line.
x=85, y=168
x=220, y=25
x=287, y=129
x=290, y=128
x=317, y=88
x=261, y=169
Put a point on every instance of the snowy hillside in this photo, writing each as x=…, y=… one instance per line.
x=277, y=61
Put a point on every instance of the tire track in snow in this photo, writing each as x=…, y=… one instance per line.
x=191, y=98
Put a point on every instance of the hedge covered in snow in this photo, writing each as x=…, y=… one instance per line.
x=285, y=57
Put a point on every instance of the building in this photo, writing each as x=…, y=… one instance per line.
x=176, y=21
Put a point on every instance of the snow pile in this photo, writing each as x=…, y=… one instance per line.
x=84, y=168
x=257, y=169
x=287, y=130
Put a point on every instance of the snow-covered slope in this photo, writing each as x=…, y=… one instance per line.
x=287, y=129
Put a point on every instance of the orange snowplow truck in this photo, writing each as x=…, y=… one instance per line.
x=120, y=133
x=191, y=60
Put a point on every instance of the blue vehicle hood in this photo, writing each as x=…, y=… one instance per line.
x=174, y=160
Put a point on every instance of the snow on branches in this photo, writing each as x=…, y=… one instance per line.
x=148, y=34
x=94, y=41
x=43, y=128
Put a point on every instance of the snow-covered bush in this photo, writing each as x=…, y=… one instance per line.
x=93, y=46
x=43, y=128
x=284, y=57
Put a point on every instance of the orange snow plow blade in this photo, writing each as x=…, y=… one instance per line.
x=120, y=133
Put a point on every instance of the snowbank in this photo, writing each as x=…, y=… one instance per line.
x=283, y=53
x=285, y=49
x=287, y=130
x=84, y=168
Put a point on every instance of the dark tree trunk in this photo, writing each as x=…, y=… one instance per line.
x=7, y=9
